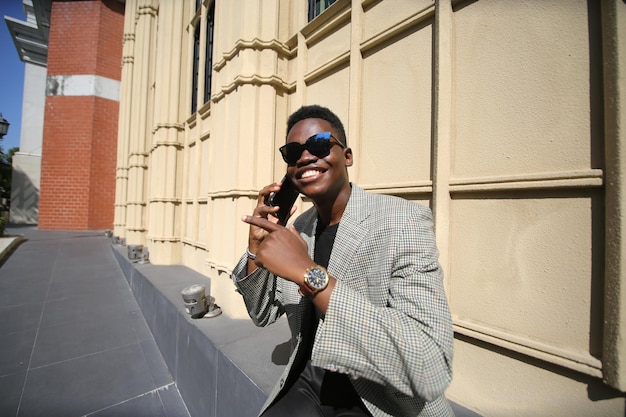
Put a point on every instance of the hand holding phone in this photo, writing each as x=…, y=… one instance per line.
x=285, y=199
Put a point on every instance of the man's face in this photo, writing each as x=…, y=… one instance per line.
x=318, y=177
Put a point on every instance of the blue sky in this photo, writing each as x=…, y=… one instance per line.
x=11, y=75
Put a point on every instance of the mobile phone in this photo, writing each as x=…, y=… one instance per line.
x=285, y=199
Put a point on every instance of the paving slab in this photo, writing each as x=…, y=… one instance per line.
x=74, y=341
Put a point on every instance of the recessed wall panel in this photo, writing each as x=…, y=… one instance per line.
x=395, y=135
x=191, y=172
x=328, y=47
x=521, y=88
x=524, y=264
x=203, y=234
x=191, y=221
x=204, y=169
x=332, y=91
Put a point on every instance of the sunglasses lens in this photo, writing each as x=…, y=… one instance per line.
x=294, y=150
x=318, y=145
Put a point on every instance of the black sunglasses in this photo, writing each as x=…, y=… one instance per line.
x=318, y=145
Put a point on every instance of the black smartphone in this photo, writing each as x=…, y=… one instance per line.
x=285, y=199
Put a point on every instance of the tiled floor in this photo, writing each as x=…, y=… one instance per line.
x=73, y=339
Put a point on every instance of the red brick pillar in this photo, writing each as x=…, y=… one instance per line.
x=80, y=125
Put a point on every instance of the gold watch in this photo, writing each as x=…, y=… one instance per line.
x=315, y=280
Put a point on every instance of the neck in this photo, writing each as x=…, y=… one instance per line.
x=330, y=211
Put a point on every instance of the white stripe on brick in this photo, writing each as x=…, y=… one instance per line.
x=83, y=85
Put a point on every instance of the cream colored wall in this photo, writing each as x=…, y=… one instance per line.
x=498, y=114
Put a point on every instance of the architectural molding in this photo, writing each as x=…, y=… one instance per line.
x=211, y=263
x=193, y=243
x=232, y=193
x=173, y=200
x=281, y=49
x=418, y=187
x=278, y=83
x=163, y=238
x=393, y=31
x=336, y=16
x=31, y=36
x=166, y=143
x=585, y=178
x=147, y=8
x=328, y=67
x=578, y=361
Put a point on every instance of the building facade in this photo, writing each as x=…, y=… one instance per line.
x=31, y=41
x=81, y=114
x=505, y=117
x=64, y=174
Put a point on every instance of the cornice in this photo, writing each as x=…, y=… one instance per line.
x=256, y=44
x=258, y=80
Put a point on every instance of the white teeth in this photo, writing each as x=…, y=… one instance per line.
x=310, y=173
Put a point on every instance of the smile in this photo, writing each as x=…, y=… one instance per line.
x=310, y=173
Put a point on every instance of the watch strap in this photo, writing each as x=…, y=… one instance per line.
x=307, y=292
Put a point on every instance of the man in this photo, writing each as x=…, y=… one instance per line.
x=372, y=333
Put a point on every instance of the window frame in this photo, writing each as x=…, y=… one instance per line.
x=316, y=7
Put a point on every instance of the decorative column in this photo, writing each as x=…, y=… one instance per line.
x=614, y=63
x=140, y=120
x=164, y=193
x=249, y=101
x=123, y=138
x=442, y=126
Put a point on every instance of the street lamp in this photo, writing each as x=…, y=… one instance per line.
x=4, y=126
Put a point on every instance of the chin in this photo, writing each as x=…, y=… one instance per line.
x=313, y=191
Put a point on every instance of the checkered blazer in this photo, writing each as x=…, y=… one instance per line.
x=387, y=325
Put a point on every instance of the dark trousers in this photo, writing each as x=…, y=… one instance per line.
x=316, y=393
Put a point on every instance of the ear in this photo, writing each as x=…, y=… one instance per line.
x=348, y=157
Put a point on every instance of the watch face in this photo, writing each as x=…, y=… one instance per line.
x=317, y=278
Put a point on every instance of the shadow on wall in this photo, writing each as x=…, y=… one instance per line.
x=24, y=199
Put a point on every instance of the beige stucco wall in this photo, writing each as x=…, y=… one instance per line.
x=504, y=116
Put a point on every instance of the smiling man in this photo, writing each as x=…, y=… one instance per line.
x=359, y=279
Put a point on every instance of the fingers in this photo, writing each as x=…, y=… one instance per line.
x=265, y=192
x=263, y=223
x=293, y=230
x=263, y=209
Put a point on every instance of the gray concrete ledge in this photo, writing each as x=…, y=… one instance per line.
x=222, y=366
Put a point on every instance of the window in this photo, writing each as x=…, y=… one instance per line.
x=195, y=69
x=208, y=65
x=205, y=72
x=318, y=6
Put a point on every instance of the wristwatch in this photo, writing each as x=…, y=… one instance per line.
x=315, y=280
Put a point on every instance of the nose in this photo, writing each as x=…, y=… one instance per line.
x=306, y=158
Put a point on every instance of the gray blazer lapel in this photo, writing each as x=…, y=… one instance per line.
x=350, y=234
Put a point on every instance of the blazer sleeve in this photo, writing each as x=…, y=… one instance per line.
x=404, y=343
x=266, y=296
x=261, y=293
